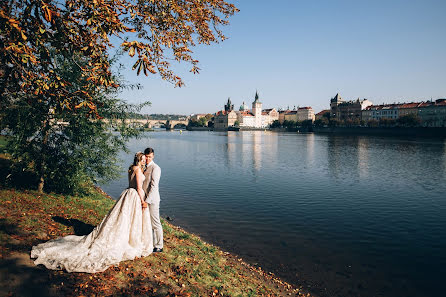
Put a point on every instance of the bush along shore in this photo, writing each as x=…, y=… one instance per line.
x=187, y=267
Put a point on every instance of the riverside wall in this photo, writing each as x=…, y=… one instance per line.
x=391, y=131
x=188, y=128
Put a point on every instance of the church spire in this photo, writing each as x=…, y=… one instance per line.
x=229, y=106
x=257, y=106
x=256, y=98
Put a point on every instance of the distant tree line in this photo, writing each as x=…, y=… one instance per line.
x=291, y=124
x=156, y=116
x=410, y=120
x=206, y=121
x=159, y=116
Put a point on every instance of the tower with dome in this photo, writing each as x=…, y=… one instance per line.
x=256, y=118
x=257, y=111
x=243, y=107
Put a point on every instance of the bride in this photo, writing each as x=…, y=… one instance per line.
x=124, y=234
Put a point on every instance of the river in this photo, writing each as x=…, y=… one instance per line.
x=338, y=215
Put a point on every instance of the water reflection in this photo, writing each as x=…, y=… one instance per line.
x=251, y=149
x=363, y=157
x=444, y=159
x=352, y=216
x=257, y=150
x=310, y=138
x=354, y=158
x=342, y=155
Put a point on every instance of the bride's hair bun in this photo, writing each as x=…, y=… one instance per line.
x=136, y=159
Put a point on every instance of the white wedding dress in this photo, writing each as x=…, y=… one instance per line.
x=124, y=234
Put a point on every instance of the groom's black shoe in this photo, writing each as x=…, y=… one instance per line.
x=157, y=250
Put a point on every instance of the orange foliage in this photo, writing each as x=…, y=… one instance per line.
x=152, y=31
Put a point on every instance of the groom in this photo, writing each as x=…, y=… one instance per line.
x=150, y=186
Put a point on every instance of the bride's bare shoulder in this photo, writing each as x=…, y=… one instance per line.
x=135, y=169
x=138, y=170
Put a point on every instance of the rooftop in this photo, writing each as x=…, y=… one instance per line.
x=323, y=112
x=438, y=102
x=223, y=112
x=246, y=113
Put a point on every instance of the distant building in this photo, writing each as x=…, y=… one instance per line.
x=290, y=116
x=342, y=110
x=196, y=117
x=257, y=111
x=352, y=109
x=243, y=107
x=408, y=108
x=229, y=106
x=320, y=114
x=246, y=118
x=297, y=115
x=256, y=117
x=433, y=114
x=282, y=114
x=378, y=112
x=269, y=115
x=305, y=114
x=334, y=103
x=224, y=119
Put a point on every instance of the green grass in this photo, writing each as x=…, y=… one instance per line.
x=3, y=142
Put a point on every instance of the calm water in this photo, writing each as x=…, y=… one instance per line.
x=341, y=215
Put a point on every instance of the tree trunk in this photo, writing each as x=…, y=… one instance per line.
x=41, y=184
x=41, y=165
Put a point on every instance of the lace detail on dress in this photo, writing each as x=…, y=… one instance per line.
x=124, y=234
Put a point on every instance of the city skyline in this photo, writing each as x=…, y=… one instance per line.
x=303, y=55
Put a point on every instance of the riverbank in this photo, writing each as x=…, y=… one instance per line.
x=187, y=267
x=189, y=128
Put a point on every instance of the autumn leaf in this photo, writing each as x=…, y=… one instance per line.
x=140, y=67
x=80, y=104
x=132, y=51
x=159, y=31
x=136, y=64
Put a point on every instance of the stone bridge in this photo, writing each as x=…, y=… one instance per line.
x=169, y=124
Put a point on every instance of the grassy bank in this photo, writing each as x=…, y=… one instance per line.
x=187, y=267
x=3, y=142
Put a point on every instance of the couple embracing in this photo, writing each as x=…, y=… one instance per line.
x=131, y=229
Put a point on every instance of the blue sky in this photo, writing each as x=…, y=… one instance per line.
x=301, y=53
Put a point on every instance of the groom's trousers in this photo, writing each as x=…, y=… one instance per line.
x=154, y=209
